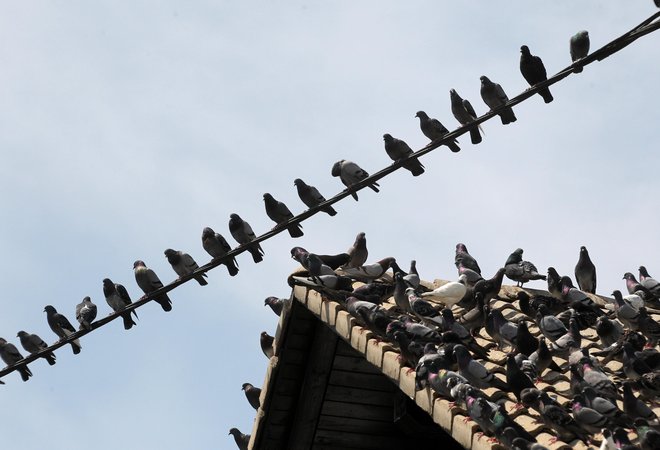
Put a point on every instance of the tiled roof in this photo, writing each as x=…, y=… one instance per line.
x=452, y=418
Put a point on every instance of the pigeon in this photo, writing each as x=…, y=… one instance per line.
x=569, y=342
x=280, y=213
x=117, y=297
x=350, y=173
x=449, y=293
x=649, y=438
x=378, y=321
x=374, y=292
x=648, y=281
x=85, y=313
x=563, y=424
x=369, y=271
x=465, y=114
x=242, y=232
x=34, y=344
x=400, y=293
x=335, y=261
x=217, y=246
x=608, y=331
x=628, y=315
x=648, y=327
x=311, y=262
x=585, y=272
x=358, y=252
x=500, y=329
x=571, y=295
x=542, y=359
x=183, y=264
x=61, y=327
x=603, y=386
x=412, y=278
x=276, y=304
x=533, y=70
x=551, y=327
x=397, y=149
x=521, y=271
x=490, y=288
x=635, y=407
x=464, y=259
x=554, y=283
x=266, y=342
x=252, y=394
x=474, y=319
x=493, y=95
x=311, y=197
x=604, y=407
x=590, y=419
x=650, y=297
x=476, y=374
x=336, y=282
x=516, y=379
x=10, y=355
x=352, y=304
x=633, y=366
x=434, y=130
x=442, y=381
x=431, y=362
x=525, y=342
x=579, y=47
x=410, y=351
x=149, y=282
x=242, y=440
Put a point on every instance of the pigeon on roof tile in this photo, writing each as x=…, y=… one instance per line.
x=217, y=246
x=400, y=294
x=464, y=259
x=588, y=418
x=449, y=293
x=465, y=114
x=648, y=326
x=432, y=361
x=635, y=407
x=311, y=197
x=628, y=315
x=350, y=173
x=10, y=355
x=86, y=313
x=266, y=341
x=434, y=130
x=117, y=298
x=525, y=342
x=521, y=271
x=279, y=213
x=397, y=149
x=567, y=343
x=369, y=271
x=563, y=424
x=375, y=292
x=276, y=304
x=335, y=282
x=598, y=380
x=633, y=366
x=585, y=272
x=500, y=329
x=474, y=319
x=551, y=327
x=634, y=287
x=542, y=359
x=516, y=379
x=358, y=251
x=649, y=385
x=442, y=381
x=61, y=327
x=605, y=407
x=183, y=264
x=608, y=331
x=490, y=288
x=34, y=344
x=242, y=440
x=412, y=278
x=378, y=321
x=475, y=372
x=353, y=303
x=533, y=70
x=243, y=234
x=579, y=48
x=149, y=282
x=494, y=96
x=648, y=281
x=554, y=283
x=252, y=394
x=410, y=351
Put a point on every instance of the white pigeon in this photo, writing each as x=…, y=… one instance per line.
x=450, y=293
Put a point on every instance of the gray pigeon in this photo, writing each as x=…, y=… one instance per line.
x=242, y=440
x=585, y=272
x=61, y=327
x=627, y=314
x=183, y=264
x=579, y=46
x=358, y=251
x=311, y=197
x=476, y=374
x=465, y=260
x=434, y=130
x=397, y=149
x=217, y=246
x=551, y=327
x=276, y=304
x=533, y=70
x=149, y=282
x=521, y=271
x=85, y=313
x=242, y=232
x=266, y=341
x=350, y=173
x=10, y=355
x=648, y=281
x=117, y=297
x=34, y=344
x=493, y=95
x=252, y=394
x=465, y=114
x=279, y=213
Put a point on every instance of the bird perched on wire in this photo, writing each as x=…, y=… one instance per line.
x=86, y=313
x=585, y=272
x=533, y=70
x=521, y=271
x=242, y=232
x=10, y=355
x=579, y=47
x=350, y=173
x=117, y=297
x=311, y=197
x=217, y=246
x=279, y=213
x=61, y=327
x=34, y=344
x=465, y=114
x=434, y=130
x=183, y=264
x=149, y=282
x=494, y=96
x=397, y=149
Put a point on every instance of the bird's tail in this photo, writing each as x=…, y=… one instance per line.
x=200, y=279
x=547, y=96
x=76, y=347
x=330, y=210
x=25, y=372
x=295, y=230
x=128, y=321
x=453, y=146
x=50, y=357
x=231, y=267
x=256, y=253
x=164, y=302
x=475, y=136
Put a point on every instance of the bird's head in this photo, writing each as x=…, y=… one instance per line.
x=524, y=50
x=138, y=263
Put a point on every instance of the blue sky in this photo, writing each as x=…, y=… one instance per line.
x=126, y=128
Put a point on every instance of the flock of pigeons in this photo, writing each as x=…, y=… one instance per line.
x=548, y=336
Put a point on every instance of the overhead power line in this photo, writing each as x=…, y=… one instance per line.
x=647, y=26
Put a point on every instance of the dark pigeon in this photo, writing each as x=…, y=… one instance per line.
x=311, y=197
x=34, y=344
x=465, y=114
x=280, y=213
x=242, y=440
x=217, y=246
x=397, y=149
x=242, y=232
x=252, y=394
x=521, y=271
x=350, y=173
x=434, y=130
x=86, y=313
x=266, y=341
x=533, y=70
x=183, y=264
x=464, y=259
x=117, y=298
x=493, y=95
x=61, y=327
x=276, y=304
x=585, y=272
x=10, y=355
x=579, y=48
x=149, y=282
